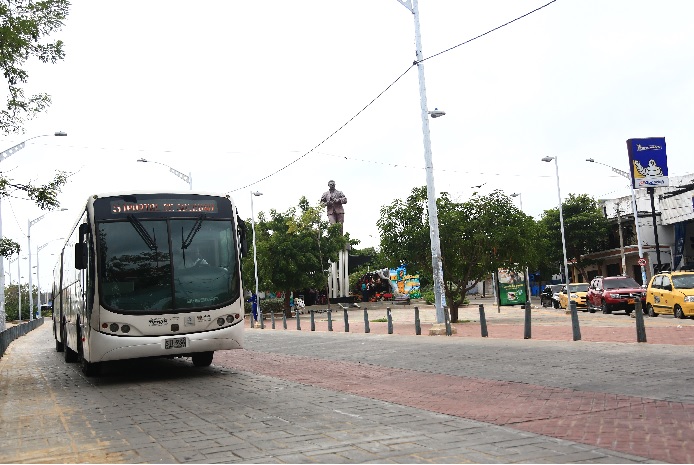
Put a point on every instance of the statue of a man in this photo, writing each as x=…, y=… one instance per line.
x=333, y=200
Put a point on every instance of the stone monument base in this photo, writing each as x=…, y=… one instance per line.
x=439, y=329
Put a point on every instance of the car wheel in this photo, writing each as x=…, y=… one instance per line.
x=650, y=311
x=202, y=359
x=678, y=312
x=605, y=309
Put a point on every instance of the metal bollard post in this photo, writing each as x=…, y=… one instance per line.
x=272, y=317
x=284, y=319
x=417, y=323
x=574, y=321
x=527, y=333
x=640, y=327
x=260, y=317
x=447, y=321
x=330, y=320
x=298, y=321
x=313, y=321
x=366, y=321
x=346, y=318
x=390, y=320
x=483, y=322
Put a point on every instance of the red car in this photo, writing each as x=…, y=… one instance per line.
x=611, y=293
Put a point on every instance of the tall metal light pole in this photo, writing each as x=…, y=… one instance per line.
x=186, y=177
x=31, y=293
x=561, y=222
x=634, y=210
x=38, y=271
x=255, y=259
x=3, y=155
x=436, y=262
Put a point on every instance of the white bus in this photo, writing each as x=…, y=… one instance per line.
x=150, y=275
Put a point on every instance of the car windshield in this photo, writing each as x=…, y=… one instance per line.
x=582, y=287
x=685, y=281
x=621, y=283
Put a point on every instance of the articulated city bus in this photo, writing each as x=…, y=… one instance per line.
x=150, y=275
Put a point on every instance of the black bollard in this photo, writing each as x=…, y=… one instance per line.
x=298, y=321
x=417, y=323
x=447, y=321
x=346, y=318
x=574, y=321
x=272, y=317
x=313, y=321
x=640, y=327
x=330, y=320
x=390, y=320
x=483, y=322
x=366, y=321
x=527, y=334
x=260, y=317
x=284, y=319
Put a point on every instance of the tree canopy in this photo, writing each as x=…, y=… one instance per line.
x=477, y=237
x=293, y=249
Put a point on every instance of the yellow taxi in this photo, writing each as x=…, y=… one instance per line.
x=671, y=293
x=578, y=294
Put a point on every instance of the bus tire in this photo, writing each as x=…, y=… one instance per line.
x=202, y=359
x=70, y=355
x=58, y=344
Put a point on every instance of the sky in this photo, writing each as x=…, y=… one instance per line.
x=281, y=97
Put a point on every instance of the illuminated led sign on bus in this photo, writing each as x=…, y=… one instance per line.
x=153, y=206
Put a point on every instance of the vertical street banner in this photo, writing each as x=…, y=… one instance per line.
x=648, y=162
x=511, y=287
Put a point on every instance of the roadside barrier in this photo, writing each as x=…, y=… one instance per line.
x=15, y=332
x=7, y=336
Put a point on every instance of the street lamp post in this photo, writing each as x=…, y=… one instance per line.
x=3, y=155
x=255, y=260
x=186, y=177
x=38, y=275
x=561, y=222
x=436, y=261
x=527, y=274
x=634, y=210
x=31, y=296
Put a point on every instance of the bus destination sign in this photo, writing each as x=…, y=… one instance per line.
x=120, y=207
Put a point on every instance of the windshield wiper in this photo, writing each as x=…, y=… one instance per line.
x=142, y=232
x=185, y=243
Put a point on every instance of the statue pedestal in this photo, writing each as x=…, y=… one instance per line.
x=439, y=329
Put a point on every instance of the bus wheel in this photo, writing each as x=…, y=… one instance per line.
x=202, y=359
x=58, y=344
x=70, y=355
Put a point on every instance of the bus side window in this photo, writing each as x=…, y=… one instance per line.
x=81, y=248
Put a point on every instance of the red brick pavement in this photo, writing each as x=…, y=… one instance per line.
x=645, y=427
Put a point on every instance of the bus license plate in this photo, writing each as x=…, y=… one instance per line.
x=175, y=343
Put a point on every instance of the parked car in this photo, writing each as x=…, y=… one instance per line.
x=550, y=295
x=671, y=293
x=577, y=292
x=612, y=293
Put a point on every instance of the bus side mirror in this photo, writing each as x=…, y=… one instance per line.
x=84, y=229
x=243, y=234
x=81, y=255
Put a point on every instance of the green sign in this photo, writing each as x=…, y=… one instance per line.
x=511, y=287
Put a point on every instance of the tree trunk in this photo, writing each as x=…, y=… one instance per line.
x=287, y=308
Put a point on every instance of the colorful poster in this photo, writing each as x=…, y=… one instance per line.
x=648, y=162
x=403, y=283
x=511, y=287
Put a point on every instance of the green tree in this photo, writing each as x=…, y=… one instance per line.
x=293, y=249
x=477, y=237
x=11, y=301
x=25, y=26
x=585, y=231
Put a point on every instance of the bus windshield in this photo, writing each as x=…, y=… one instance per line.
x=169, y=264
